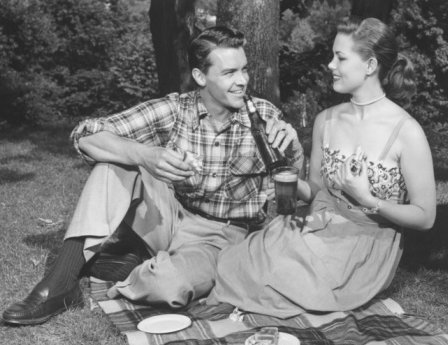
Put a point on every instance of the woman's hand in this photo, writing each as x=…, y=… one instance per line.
x=353, y=180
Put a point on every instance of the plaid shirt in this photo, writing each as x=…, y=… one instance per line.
x=232, y=183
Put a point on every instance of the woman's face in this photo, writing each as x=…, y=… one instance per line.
x=347, y=66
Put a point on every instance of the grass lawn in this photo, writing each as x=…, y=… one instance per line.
x=40, y=181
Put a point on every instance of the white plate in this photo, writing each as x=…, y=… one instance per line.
x=165, y=323
x=283, y=339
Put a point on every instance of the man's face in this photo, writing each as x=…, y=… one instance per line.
x=225, y=82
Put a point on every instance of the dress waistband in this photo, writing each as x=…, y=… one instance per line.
x=343, y=204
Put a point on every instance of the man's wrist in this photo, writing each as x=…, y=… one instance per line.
x=137, y=154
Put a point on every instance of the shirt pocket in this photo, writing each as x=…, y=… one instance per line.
x=245, y=177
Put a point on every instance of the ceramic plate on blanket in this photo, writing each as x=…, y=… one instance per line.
x=165, y=323
x=283, y=339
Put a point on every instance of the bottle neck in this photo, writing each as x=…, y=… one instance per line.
x=254, y=115
x=272, y=157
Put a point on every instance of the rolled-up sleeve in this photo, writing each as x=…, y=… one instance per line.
x=149, y=123
x=86, y=128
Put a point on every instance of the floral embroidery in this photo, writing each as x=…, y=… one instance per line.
x=385, y=183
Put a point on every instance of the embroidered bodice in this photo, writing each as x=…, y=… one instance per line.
x=385, y=182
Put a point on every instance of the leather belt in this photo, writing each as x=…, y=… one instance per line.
x=246, y=223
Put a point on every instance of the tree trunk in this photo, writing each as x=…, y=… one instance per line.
x=171, y=24
x=379, y=9
x=259, y=21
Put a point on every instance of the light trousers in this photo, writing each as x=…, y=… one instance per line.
x=184, y=246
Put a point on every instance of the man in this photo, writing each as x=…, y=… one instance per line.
x=180, y=216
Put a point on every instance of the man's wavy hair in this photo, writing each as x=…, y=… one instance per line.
x=210, y=39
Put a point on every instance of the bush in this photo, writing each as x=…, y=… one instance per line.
x=422, y=32
x=70, y=58
x=26, y=41
x=307, y=32
x=306, y=39
x=133, y=67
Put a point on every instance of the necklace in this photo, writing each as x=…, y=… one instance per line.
x=368, y=102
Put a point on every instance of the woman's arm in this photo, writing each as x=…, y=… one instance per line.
x=307, y=190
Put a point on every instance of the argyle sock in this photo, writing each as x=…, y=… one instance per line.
x=64, y=273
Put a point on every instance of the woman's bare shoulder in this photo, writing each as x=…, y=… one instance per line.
x=411, y=131
x=333, y=111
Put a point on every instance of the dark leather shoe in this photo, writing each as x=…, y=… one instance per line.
x=38, y=308
x=113, y=267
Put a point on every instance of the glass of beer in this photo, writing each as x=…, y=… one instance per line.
x=285, y=182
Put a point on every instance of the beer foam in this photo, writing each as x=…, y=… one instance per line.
x=285, y=176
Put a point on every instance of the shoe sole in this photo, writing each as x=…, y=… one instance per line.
x=29, y=322
x=75, y=302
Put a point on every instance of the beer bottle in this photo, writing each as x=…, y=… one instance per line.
x=272, y=158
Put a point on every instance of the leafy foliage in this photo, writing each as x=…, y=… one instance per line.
x=63, y=59
x=307, y=32
x=422, y=32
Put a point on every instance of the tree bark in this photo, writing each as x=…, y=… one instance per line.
x=171, y=24
x=259, y=21
x=379, y=9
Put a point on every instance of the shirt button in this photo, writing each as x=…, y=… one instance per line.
x=349, y=207
x=214, y=174
x=216, y=143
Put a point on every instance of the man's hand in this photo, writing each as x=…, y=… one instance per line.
x=280, y=134
x=165, y=164
x=270, y=190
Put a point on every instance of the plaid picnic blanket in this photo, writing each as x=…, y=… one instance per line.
x=379, y=322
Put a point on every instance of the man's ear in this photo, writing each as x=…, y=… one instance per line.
x=372, y=66
x=198, y=77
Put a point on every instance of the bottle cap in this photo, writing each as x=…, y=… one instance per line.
x=250, y=105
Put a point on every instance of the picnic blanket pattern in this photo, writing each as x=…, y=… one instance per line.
x=377, y=323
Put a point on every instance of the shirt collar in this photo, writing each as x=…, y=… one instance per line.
x=239, y=116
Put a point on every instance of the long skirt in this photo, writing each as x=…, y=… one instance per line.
x=336, y=259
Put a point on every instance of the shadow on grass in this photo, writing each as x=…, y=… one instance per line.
x=51, y=241
x=54, y=140
x=17, y=159
x=428, y=249
x=10, y=175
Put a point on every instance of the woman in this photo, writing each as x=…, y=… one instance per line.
x=371, y=179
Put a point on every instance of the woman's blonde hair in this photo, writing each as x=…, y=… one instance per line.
x=373, y=38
